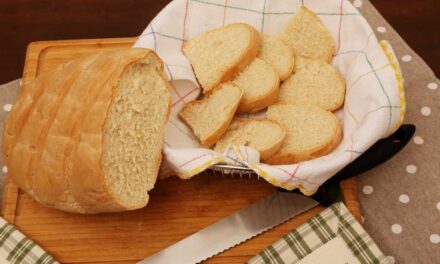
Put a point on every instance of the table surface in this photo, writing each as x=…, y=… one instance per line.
x=24, y=21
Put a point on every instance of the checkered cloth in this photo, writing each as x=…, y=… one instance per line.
x=374, y=105
x=335, y=221
x=15, y=248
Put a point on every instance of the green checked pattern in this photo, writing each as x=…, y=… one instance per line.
x=335, y=221
x=15, y=248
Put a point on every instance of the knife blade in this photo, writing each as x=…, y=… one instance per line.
x=275, y=209
x=234, y=229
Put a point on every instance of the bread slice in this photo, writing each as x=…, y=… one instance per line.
x=278, y=55
x=314, y=82
x=210, y=117
x=260, y=84
x=311, y=132
x=91, y=142
x=264, y=135
x=307, y=36
x=219, y=55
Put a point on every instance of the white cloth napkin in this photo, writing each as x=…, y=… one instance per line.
x=374, y=104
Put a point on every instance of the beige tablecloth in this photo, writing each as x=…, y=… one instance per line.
x=400, y=200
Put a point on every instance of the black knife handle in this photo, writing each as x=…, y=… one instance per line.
x=381, y=151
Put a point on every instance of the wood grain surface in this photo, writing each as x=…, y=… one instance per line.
x=24, y=21
x=176, y=209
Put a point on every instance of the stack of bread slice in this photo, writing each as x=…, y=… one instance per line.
x=87, y=137
x=242, y=71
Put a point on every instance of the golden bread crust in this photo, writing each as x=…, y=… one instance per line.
x=218, y=133
x=54, y=134
x=296, y=157
x=241, y=62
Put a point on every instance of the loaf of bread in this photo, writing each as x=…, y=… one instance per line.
x=87, y=137
x=311, y=132
x=264, y=135
x=308, y=37
x=260, y=84
x=209, y=118
x=218, y=55
x=314, y=82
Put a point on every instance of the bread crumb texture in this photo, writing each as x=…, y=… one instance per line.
x=261, y=134
x=215, y=53
x=278, y=55
x=210, y=117
x=260, y=84
x=310, y=132
x=314, y=82
x=307, y=36
x=133, y=133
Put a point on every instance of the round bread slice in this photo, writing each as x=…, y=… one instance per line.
x=311, y=132
x=219, y=55
x=307, y=36
x=210, y=117
x=264, y=135
x=314, y=82
x=278, y=55
x=260, y=84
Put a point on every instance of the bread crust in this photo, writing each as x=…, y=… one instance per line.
x=41, y=150
x=296, y=157
x=291, y=68
x=261, y=102
x=338, y=104
x=341, y=101
x=289, y=54
x=218, y=133
x=268, y=152
x=332, y=46
x=94, y=193
x=246, y=58
x=328, y=56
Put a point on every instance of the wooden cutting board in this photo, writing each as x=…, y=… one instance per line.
x=176, y=209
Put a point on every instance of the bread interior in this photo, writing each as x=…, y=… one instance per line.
x=133, y=134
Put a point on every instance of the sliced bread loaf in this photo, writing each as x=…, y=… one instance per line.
x=314, y=82
x=311, y=132
x=91, y=140
x=210, y=117
x=260, y=84
x=307, y=36
x=264, y=135
x=278, y=55
x=219, y=55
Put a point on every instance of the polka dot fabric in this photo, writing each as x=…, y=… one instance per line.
x=403, y=212
x=8, y=93
x=7, y=107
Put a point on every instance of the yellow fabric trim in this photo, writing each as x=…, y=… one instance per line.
x=238, y=151
x=400, y=82
x=187, y=175
x=283, y=185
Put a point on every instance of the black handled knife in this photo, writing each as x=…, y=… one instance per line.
x=275, y=209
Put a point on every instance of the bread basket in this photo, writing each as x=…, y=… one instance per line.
x=367, y=116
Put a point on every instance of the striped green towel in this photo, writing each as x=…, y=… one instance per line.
x=333, y=236
x=16, y=248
